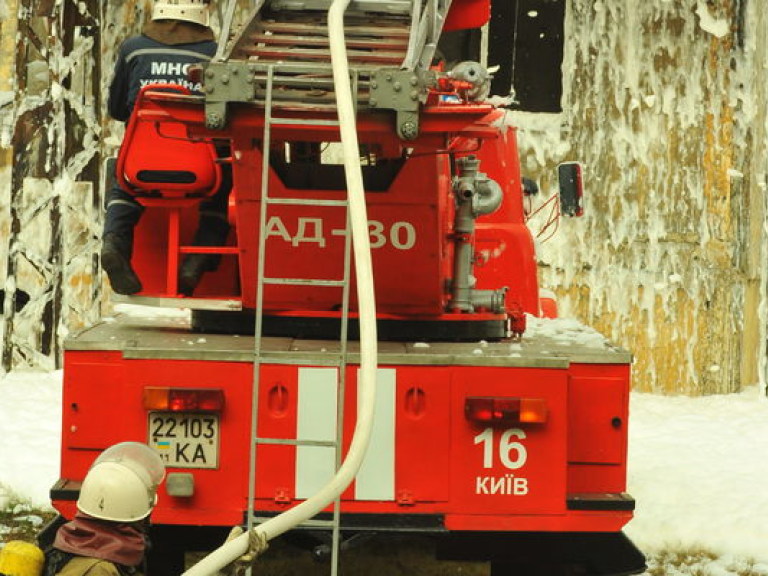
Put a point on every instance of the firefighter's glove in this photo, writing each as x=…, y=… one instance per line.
x=257, y=544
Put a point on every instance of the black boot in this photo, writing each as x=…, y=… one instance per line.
x=192, y=270
x=212, y=231
x=116, y=261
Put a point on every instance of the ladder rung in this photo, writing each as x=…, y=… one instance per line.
x=320, y=27
x=308, y=86
x=296, y=442
x=315, y=523
x=306, y=202
x=306, y=101
x=209, y=250
x=287, y=80
x=275, y=55
x=299, y=73
x=311, y=523
x=302, y=122
x=297, y=105
x=305, y=40
x=294, y=69
x=304, y=282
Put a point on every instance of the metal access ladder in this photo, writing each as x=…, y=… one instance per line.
x=342, y=283
x=287, y=44
x=290, y=52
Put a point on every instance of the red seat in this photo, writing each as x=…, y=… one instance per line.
x=158, y=158
x=166, y=170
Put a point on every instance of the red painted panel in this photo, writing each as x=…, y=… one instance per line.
x=576, y=522
x=423, y=416
x=275, y=464
x=598, y=420
x=407, y=239
x=598, y=403
x=509, y=477
x=95, y=394
x=509, y=469
x=597, y=478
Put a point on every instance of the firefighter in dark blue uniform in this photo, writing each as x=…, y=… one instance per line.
x=177, y=36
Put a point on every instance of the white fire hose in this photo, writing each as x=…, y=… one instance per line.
x=233, y=549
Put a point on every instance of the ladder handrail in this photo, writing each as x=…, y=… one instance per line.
x=426, y=27
x=226, y=46
x=273, y=527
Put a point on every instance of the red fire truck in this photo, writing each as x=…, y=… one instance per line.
x=506, y=446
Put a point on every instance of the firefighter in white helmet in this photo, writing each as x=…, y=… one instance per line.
x=107, y=536
x=189, y=10
x=177, y=36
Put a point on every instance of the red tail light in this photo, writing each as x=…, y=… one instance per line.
x=183, y=399
x=505, y=410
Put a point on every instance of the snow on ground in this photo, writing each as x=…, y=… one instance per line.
x=698, y=468
x=30, y=433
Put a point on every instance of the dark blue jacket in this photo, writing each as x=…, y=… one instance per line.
x=142, y=60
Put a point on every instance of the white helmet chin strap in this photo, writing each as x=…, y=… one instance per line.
x=187, y=10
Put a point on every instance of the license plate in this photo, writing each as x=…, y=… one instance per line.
x=184, y=439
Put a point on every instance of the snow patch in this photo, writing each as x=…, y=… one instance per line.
x=718, y=27
x=565, y=330
x=697, y=469
x=30, y=434
x=139, y=311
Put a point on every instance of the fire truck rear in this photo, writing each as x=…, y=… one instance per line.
x=491, y=431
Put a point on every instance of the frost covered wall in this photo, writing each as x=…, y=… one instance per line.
x=53, y=138
x=49, y=126
x=665, y=103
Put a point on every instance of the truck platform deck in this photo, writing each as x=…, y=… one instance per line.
x=547, y=345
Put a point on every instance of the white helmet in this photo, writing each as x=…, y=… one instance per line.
x=121, y=485
x=190, y=10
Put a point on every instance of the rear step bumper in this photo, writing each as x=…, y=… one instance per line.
x=601, y=502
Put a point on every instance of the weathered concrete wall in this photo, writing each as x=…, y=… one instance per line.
x=662, y=104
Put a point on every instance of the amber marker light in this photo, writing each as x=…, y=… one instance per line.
x=500, y=410
x=183, y=399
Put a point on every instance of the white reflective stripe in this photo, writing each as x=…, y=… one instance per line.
x=129, y=203
x=316, y=414
x=164, y=51
x=376, y=478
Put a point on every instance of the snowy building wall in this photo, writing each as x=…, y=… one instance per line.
x=50, y=163
x=662, y=102
x=53, y=137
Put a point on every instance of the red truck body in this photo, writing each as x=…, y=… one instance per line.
x=482, y=429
